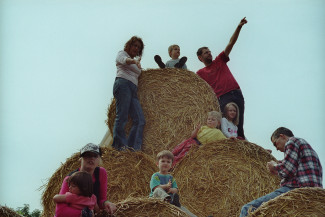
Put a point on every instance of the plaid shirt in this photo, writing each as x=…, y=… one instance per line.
x=301, y=166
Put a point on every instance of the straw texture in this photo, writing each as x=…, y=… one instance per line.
x=128, y=174
x=300, y=202
x=174, y=101
x=145, y=207
x=7, y=212
x=219, y=178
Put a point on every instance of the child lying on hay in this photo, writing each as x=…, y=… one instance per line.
x=162, y=184
x=201, y=135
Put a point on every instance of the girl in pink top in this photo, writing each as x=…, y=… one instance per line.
x=90, y=158
x=80, y=196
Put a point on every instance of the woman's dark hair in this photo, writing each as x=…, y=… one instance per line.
x=84, y=181
x=132, y=40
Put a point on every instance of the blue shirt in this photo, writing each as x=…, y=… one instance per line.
x=160, y=179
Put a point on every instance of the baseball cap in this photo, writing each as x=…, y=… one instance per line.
x=90, y=147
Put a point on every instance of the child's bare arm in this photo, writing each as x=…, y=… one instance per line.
x=59, y=198
x=194, y=133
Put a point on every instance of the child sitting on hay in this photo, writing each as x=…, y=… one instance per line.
x=80, y=195
x=163, y=185
x=201, y=135
x=174, y=53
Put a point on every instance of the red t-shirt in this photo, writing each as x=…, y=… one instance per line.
x=218, y=75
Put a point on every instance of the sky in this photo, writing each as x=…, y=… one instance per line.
x=57, y=68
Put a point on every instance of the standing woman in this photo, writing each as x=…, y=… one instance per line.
x=90, y=158
x=125, y=92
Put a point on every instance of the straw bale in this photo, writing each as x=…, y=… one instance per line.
x=145, y=207
x=300, y=202
x=219, y=178
x=8, y=212
x=174, y=101
x=128, y=173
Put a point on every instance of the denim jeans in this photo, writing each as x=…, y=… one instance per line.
x=237, y=97
x=127, y=103
x=258, y=202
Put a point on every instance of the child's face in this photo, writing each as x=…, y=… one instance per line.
x=212, y=122
x=164, y=165
x=176, y=51
x=74, y=189
x=231, y=112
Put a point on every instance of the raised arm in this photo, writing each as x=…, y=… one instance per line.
x=234, y=37
x=195, y=131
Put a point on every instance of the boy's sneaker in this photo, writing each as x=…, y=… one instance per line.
x=175, y=200
x=159, y=61
x=181, y=63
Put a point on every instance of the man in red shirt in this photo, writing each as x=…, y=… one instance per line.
x=217, y=74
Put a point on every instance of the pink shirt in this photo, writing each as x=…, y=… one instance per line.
x=75, y=204
x=68, y=210
x=218, y=75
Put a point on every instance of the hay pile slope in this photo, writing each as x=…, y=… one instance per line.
x=7, y=212
x=300, y=202
x=145, y=207
x=219, y=178
x=129, y=173
x=174, y=101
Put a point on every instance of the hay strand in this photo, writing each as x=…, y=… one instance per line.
x=300, y=202
x=145, y=207
x=174, y=101
x=219, y=178
x=128, y=175
x=8, y=212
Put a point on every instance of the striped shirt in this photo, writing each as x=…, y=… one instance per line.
x=129, y=72
x=301, y=166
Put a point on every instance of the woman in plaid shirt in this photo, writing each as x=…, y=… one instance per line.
x=299, y=168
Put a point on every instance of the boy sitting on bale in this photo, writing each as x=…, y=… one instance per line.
x=162, y=184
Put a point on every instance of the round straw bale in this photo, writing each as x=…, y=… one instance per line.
x=128, y=174
x=8, y=212
x=174, y=101
x=299, y=202
x=219, y=178
x=145, y=207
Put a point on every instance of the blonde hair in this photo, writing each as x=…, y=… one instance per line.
x=236, y=119
x=170, y=48
x=165, y=153
x=216, y=115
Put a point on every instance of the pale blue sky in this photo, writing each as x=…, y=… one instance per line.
x=57, y=65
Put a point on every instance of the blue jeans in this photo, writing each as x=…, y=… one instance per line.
x=127, y=103
x=258, y=202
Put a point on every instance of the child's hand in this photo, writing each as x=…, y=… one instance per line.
x=172, y=190
x=169, y=184
x=198, y=126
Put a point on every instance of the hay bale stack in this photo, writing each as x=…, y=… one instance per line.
x=145, y=207
x=299, y=202
x=219, y=178
x=7, y=212
x=173, y=101
x=128, y=174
